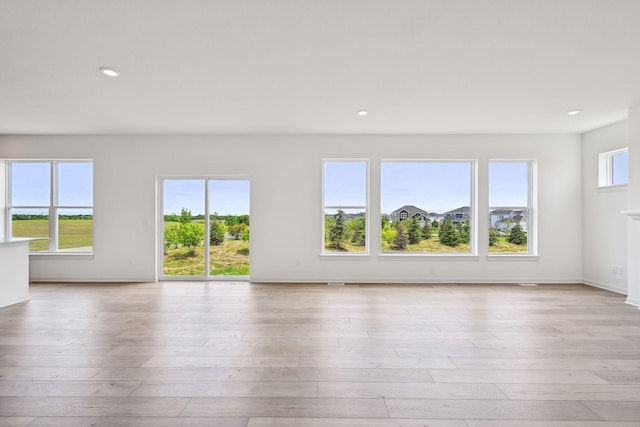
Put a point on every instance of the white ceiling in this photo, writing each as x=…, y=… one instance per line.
x=307, y=66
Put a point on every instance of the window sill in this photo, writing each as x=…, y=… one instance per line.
x=70, y=255
x=421, y=256
x=608, y=188
x=345, y=255
x=512, y=257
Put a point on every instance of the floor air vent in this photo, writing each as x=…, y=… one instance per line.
x=527, y=284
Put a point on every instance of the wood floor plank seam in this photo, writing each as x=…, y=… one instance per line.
x=302, y=355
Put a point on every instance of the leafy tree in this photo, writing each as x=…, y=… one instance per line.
x=170, y=238
x=401, y=238
x=246, y=234
x=384, y=222
x=493, y=236
x=337, y=231
x=231, y=220
x=517, y=235
x=358, y=231
x=448, y=234
x=388, y=233
x=414, y=231
x=185, y=216
x=426, y=229
x=216, y=233
x=243, y=219
x=236, y=230
x=191, y=235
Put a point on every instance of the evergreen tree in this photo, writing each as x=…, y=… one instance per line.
x=426, y=229
x=493, y=236
x=414, y=231
x=216, y=233
x=464, y=230
x=517, y=235
x=401, y=238
x=435, y=224
x=448, y=234
x=358, y=233
x=337, y=231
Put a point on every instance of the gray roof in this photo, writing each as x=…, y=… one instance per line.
x=411, y=210
x=463, y=209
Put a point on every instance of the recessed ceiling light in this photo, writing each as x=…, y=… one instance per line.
x=574, y=112
x=109, y=72
x=363, y=112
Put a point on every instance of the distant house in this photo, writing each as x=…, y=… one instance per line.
x=504, y=218
x=409, y=211
x=462, y=214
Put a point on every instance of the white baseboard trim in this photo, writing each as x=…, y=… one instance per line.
x=425, y=280
x=605, y=286
x=633, y=301
x=94, y=280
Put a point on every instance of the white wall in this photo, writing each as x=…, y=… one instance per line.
x=633, y=205
x=286, y=211
x=604, y=229
x=3, y=198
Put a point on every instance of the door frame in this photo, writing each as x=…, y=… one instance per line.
x=160, y=180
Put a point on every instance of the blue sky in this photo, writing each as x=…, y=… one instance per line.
x=227, y=197
x=31, y=184
x=508, y=184
x=620, y=168
x=432, y=186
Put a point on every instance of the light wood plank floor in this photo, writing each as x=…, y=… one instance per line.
x=251, y=355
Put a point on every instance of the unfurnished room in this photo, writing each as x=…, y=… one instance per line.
x=299, y=213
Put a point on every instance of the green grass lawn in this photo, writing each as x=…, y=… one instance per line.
x=502, y=246
x=72, y=233
x=231, y=258
x=431, y=245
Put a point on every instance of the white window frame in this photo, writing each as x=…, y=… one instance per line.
x=605, y=168
x=53, y=208
x=532, y=201
x=160, y=180
x=473, y=210
x=366, y=208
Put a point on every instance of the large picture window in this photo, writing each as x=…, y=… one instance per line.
x=510, y=207
x=345, y=207
x=427, y=207
x=53, y=201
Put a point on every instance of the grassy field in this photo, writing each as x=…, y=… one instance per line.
x=431, y=245
x=72, y=233
x=228, y=259
x=231, y=258
x=502, y=246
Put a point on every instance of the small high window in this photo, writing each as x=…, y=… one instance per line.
x=614, y=168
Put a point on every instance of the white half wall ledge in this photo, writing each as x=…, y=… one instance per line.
x=632, y=214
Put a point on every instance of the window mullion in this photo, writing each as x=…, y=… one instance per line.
x=53, y=211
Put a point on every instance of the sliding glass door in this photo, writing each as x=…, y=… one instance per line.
x=205, y=228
